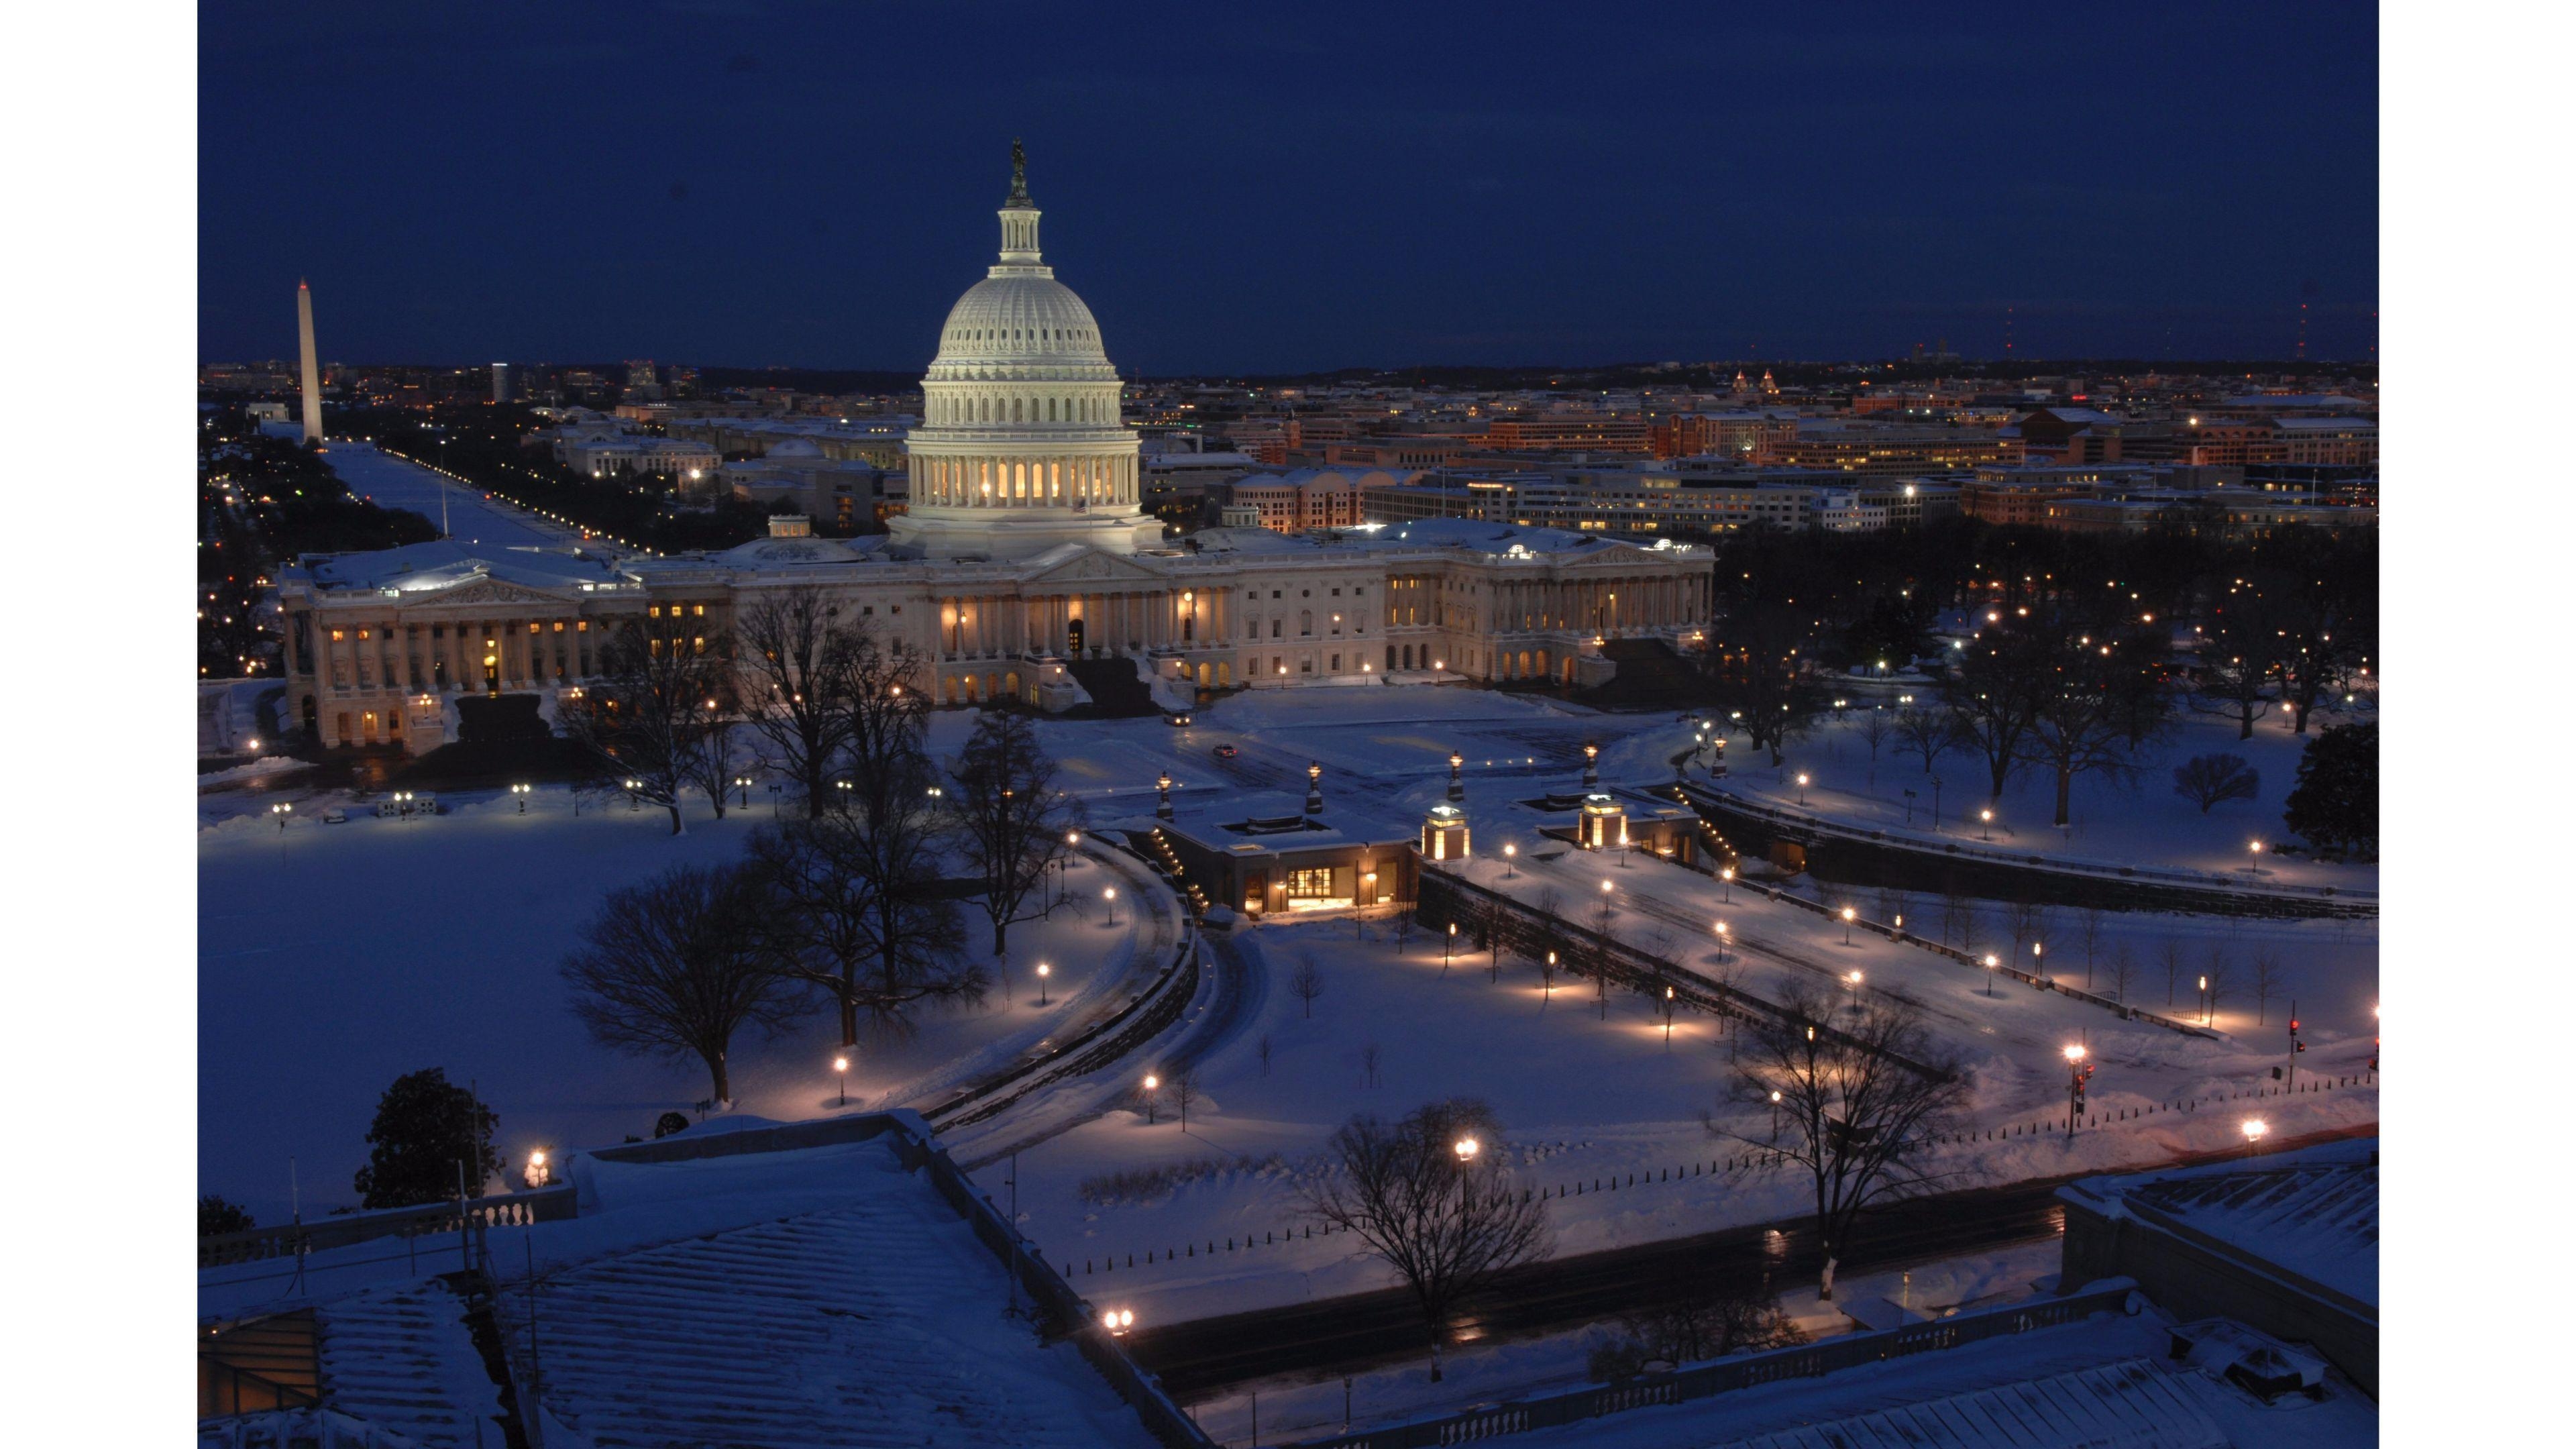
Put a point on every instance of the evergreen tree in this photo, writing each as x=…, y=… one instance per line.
x=425, y=1125
x=2335, y=804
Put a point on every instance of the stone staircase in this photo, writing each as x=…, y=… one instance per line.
x=404, y=1359
x=1116, y=690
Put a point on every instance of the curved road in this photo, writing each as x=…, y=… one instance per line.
x=1312, y=1342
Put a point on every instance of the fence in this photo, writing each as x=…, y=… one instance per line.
x=1728, y=1375
x=545, y=1204
x=1756, y=1160
x=1529, y=932
x=2217, y=889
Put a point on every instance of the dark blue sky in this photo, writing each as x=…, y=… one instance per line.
x=781, y=182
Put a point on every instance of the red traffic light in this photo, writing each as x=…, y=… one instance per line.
x=2294, y=1026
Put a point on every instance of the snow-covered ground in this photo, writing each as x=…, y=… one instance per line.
x=2138, y=824
x=334, y=958
x=391, y=482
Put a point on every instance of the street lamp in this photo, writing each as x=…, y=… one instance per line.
x=841, y=1065
x=743, y=784
x=1110, y=894
x=1549, y=988
x=1726, y=878
x=2256, y=849
x=1668, y=1018
x=1118, y=1320
x=1466, y=1148
x=522, y=792
x=2204, y=1001
x=2077, y=1069
x=2254, y=1129
x=1802, y=787
x=1986, y=823
x=2035, y=955
x=1721, y=943
x=1775, y=1112
x=1509, y=852
x=1449, y=948
x=281, y=810
x=1991, y=964
x=1849, y=915
x=1153, y=1084
x=1044, y=970
x=538, y=1173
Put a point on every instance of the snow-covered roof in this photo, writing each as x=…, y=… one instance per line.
x=2314, y=1214
x=442, y=563
x=2122, y=1403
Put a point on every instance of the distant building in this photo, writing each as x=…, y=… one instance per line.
x=1887, y=451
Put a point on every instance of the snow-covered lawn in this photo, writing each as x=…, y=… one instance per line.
x=334, y=958
x=391, y=482
x=2145, y=824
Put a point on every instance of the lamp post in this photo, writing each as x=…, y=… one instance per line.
x=1986, y=823
x=633, y=804
x=2076, y=1071
x=1991, y=964
x=1548, y=990
x=742, y=783
x=1509, y=853
x=2204, y=1001
x=1110, y=894
x=2037, y=958
x=1044, y=971
x=1153, y=1084
x=1849, y=915
x=1457, y=787
x=281, y=810
x=1775, y=1113
x=2254, y=1129
x=1668, y=1018
x=1802, y=789
x=1722, y=943
x=1726, y=879
x=1449, y=948
x=2255, y=856
x=522, y=792
x=1163, y=798
x=841, y=1066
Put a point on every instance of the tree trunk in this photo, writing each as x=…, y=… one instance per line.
x=2065, y=785
x=2245, y=724
x=999, y=926
x=678, y=826
x=722, y=1081
x=849, y=1022
x=1435, y=1353
x=1825, y=1288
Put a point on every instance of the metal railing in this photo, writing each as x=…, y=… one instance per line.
x=545, y=1204
x=1728, y=1375
x=1897, y=838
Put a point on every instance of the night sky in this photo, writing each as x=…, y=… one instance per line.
x=765, y=182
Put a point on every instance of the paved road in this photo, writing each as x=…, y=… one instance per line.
x=1312, y=1342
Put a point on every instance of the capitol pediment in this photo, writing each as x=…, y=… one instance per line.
x=488, y=590
x=1096, y=566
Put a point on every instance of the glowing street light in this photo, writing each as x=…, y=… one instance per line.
x=1044, y=970
x=1509, y=851
x=538, y=1173
x=2255, y=849
x=1991, y=964
x=281, y=810
x=841, y=1065
x=1118, y=1321
x=1849, y=915
x=1449, y=947
x=1110, y=894
x=1466, y=1148
x=1775, y=1112
x=1153, y=1084
x=2254, y=1129
x=1985, y=823
x=1722, y=942
x=522, y=792
x=1802, y=787
x=743, y=784
x=1668, y=1018
x=1726, y=879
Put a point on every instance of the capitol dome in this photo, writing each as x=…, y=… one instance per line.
x=1021, y=446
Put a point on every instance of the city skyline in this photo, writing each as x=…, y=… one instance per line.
x=1444, y=220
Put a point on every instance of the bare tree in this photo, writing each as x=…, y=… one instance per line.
x=2210, y=780
x=856, y=913
x=792, y=640
x=2088, y=934
x=2124, y=971
x=1859, y=1106
x=642, y=720
x=674, y=967
x=2027, y=921
x=1924, y=732
x=1958, y=917
x=2267, y=978
x=1369, y=1056
x=1012, y=818
x=1875, y=730
x=1891, y=906
x=2240, y=654
x=1697, y=1312
x=1991, y=695
x=710, y=766
x=2169, y=956
x=2094, y=711
x=1972, y=928
x=1306, y=982
x=1446, y=1220
x=2220, y=972
x=1185, y=1090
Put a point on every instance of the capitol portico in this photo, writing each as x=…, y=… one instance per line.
x=1024, y=570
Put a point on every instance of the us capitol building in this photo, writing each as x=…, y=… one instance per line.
x=1025, y=568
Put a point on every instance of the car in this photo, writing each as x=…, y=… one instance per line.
x=335, y=816
x=1176, y=720
x=1225, y=752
